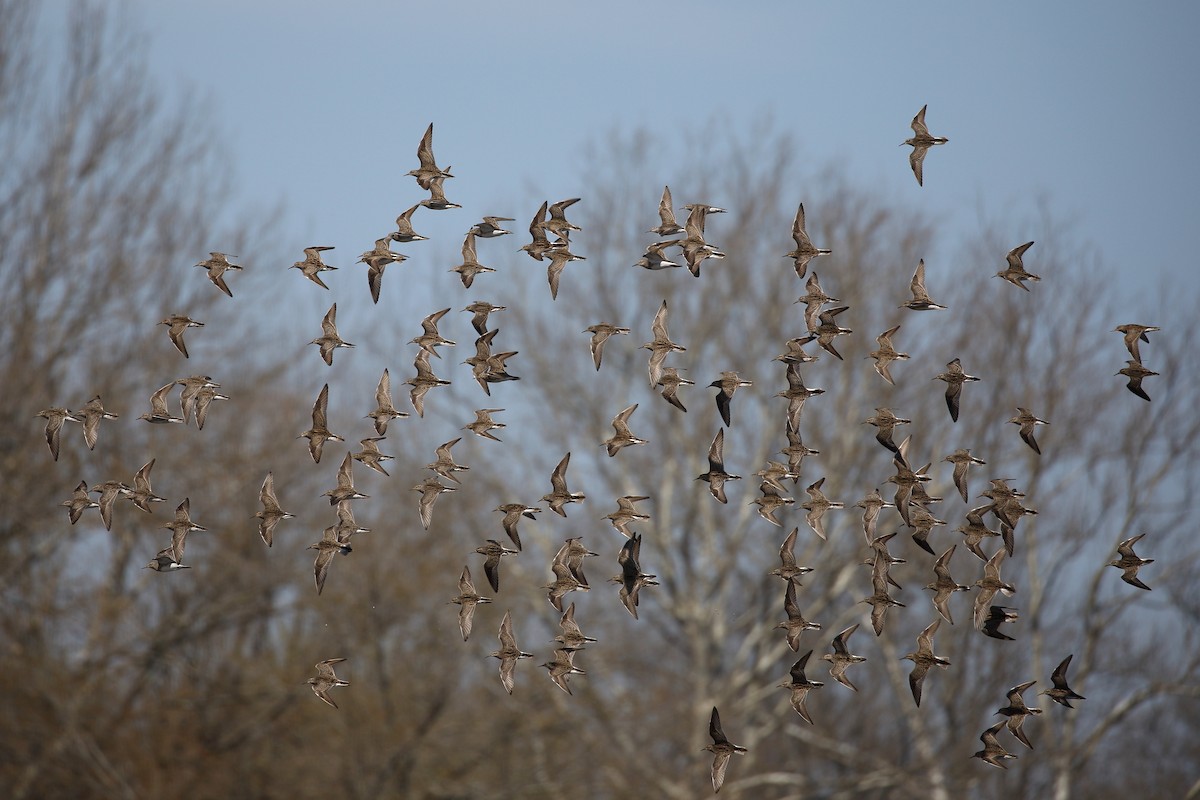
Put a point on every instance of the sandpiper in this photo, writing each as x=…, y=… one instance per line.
x=55, y=417
x=923, y=659
x=180, y=527
x=345, y=491
x=561, y=666
x=1015, y=272
x=827, y=330
x=490, y=227
x=466, y=600
x=670, y=379
x=377, y=261
x=962, y=461
x=484, y=424
x=632, y=579
x=770, y=501
x=795, y=624
x=557, y=223
x=666, y=215
x=508, y=653
x=627, y=513
x=728, y=383
x=430, y=489
x=881, y=560
x=423, y=381
x=470, y=266
x=955, y=377
x=1133, y=333
x=993, y=752
x=204, y=399
x=886, y=354
x=319, y=433
x=176, y=325
x=1016, y=711
x=841, y=658
x=805, y=251
x=327, y=548
x=347, y=527
x=813, y=299
x=920, y=142
x=492, y=552
x=872, y=505
x=885, y=422
x=384, y=411
x=1136, y=373
x=404, y=232
x=271, y=512
x=817, y=505
x=216, y=264
x=774, y=474
x=326, y=680
x=538, y=248
x=429, y=171
x=444, y=464
x=512, y=515
x=921, y=301
x=437, y=197
x=480, y=309
x=559, y=258
x=789, y=570
x=329, y=339
x=660, y=346
x=601, y=332
x=572, y=637
x=141, y=494
x=722, y=750
x=654, y=258
x=795, y=353
x=880, y=601
x=560, y=495
x=312, y=265
x=796, y=451
x=1129, y=562
x=564, y=580
x=79, y=502
x=1062, y=693
x=1028, y=421
x=430, y=339
x=109, y=491
x=165, y=561
x=622, y=437
x=944, y=585
x=716, y=475
x=923, y=522
x=988, y=585
x=996, y=616
x=191, y=388
x=90, y=415
x=571, y=554
x=800, y=686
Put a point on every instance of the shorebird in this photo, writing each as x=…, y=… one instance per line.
x=559, y=258
x=571, y=554
x=632, y=579
x=562, y=665
x=728, y=383
x=601, y=332
x=326, y=680
x=921, y=301
x=841, y=658
x=508, y=653
x=176, y=325
x=377, y=261
x=805, y=251
x=955, y=377
x=191, y=389
x=1015, y=272
x=430, y=489
x=1136, y=373
x=993, y=752
x=55, y=417
x=470, y=266
x=881, y=560
x=437, y=197
x=422, y=382
x=905, y=479
x=944, y=585
x=385, y=410
x=1129, y=562
x=444, y=464
x=1133, y=333
x=886, y=354
x=538, y=248
x=796, y=451
x=920, y=142
x=90, y=415
x=404, y=232
x=654, y=257
x=565, y=579
x=660, y=346
x=716, y=475
x=922, y=521
x=180, y=527
x=1028, y=421
x=996, y=616
x=666, y=215
x=923, y=659
x=769, y=502
x=1062, y=693
x=480, y=309
x=492, y=552
x=626, y=514
x=813, y=299
x=347, y=527
x=329, y=339
x=271, y=512
x=141, y=494
x=773, y=475
x=622, y=436
x=795, y=624
x=871, y=505
x=327, y=548
x=827, y=330
x=560, y=495
x=789, y=570
x=217, y=264
x=817, y=505
x=319, y=433
x=1016, y=711
x=988, y=585
x=484, y=423
x=795, y=350
x=572, y=637
x=880, y=601
x=109, y=491
x=490, y=227
x=800, y=686
x=204, y=398
x=557, y=223
x=165, y=561
x=962, y=461
x=345, y=491
x=312, y=265
x=429, y=172
x=670, y=379
x=886, y=421
x=975, y=531
x=79, y=502
x=467, y=599
x=721, y=748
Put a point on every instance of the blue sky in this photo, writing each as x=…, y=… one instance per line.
x=1087, y=105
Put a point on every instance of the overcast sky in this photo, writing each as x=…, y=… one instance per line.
x=1091, y=106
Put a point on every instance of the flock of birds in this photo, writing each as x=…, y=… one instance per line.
x=911, y=500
